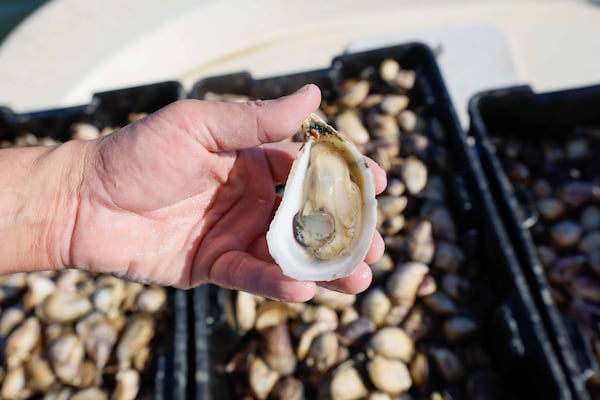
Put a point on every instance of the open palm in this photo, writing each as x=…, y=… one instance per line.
x=185, y=196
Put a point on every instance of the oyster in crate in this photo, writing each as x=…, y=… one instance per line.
x=324, y=225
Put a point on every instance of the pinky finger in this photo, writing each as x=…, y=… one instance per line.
x=376, y=250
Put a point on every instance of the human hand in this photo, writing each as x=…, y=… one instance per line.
x=185, y=196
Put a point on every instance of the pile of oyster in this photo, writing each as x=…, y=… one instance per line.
x=561, y=177
x=416, y=332
x=77, y=131
x=73, y=334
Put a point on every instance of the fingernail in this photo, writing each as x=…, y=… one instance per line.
x=366, y=274
x=378, y=245
x=303, y=89
x=383, y=180
x=331, y=287
x=307, y=284
x=305, y=291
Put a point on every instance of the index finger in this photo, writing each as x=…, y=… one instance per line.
x=222, y=126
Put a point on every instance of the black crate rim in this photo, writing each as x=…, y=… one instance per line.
x=574, y=362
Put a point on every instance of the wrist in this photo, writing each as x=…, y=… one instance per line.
x=39, y=191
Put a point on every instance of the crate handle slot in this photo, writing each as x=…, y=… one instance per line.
x=528, y=211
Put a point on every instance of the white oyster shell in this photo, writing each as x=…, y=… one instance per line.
x=331, y=181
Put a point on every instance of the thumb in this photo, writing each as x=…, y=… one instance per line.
x=222, y=126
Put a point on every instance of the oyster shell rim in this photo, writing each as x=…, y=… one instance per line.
x=291, y=256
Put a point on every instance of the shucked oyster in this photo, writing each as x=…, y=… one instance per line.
x=326, y=219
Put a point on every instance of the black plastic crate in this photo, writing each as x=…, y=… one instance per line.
x=535, y=117
x=109, y=108
x=170, y=349
x=515, y=337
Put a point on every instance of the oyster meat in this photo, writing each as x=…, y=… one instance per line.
x=327, y=216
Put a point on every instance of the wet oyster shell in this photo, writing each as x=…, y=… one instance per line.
x=341, y=246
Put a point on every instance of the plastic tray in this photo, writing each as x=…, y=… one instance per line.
x=515, y=337
x=170, y=371
x=110, y=108
x=522, y=112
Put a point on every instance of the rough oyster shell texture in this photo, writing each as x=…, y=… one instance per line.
x=324, y=225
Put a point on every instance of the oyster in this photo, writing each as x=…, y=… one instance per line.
x=324, y=225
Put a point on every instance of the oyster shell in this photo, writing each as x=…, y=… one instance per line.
x=324, y=225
